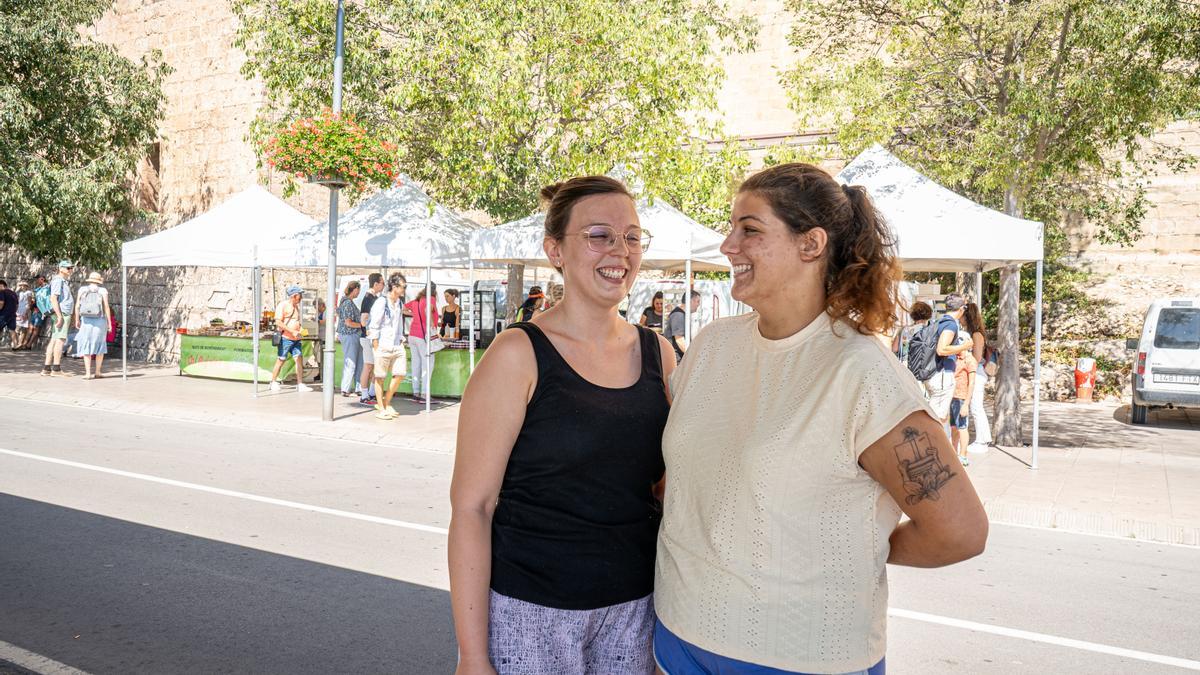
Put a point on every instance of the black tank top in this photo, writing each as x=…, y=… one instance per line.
x=576, y=524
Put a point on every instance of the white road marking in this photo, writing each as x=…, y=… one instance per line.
x=35, y=662
x=1047, y=639
x=896, y=612
x=231, y=493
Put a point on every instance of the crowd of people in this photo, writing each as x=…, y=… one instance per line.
x=625, y=501
x=50, y=309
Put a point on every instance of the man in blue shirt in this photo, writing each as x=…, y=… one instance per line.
x=941, y=385
x=62, y=304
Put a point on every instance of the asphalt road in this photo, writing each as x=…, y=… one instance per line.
x=139, y=545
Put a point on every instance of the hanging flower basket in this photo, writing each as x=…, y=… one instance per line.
x=334, y=151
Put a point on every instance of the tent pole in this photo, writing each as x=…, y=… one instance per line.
x=1037, y=364
x=256, y=318
x=470, y=311
x=124, y=322
x=979, y=287
x=428, y=330
x=687, y=294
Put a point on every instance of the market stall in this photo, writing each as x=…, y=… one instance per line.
x=938, y=230
x=679, y=243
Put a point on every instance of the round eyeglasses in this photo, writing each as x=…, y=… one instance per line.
x=603, y=239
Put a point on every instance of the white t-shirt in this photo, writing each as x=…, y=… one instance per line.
x=774, y=541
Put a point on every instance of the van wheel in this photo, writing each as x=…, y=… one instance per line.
x=1137, y=413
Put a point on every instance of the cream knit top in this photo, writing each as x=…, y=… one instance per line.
x=774, y=541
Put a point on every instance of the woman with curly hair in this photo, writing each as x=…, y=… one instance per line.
x=779, y=520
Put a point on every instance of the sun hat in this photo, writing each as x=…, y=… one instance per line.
x=65, y=264
x=294, y=289
x=95, y=278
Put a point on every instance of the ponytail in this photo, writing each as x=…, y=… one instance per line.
x=861, y=269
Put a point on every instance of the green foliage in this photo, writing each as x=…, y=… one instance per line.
x=330, y=145
x=75, y=118
x=488, y=100
x=1050, y=102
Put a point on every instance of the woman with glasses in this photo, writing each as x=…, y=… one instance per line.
x=553, y=533
x=779, y=520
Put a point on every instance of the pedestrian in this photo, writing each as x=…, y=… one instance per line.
x=554, y=294
x=366, y=382
x=62, y=304
x=287, y=322
x=964, y=383
x=973, y=322
x=23, y=336
x=675, y=328
x=920, y=314
x=41, y=306
x=451, y=315
x=551, y=543
x=8, y=312
x=779, y=520
x=652, y=316
x=349, y=330
x=532, y=306
x=948, y=346
x=386, y=331
x=423, y=314
x=91, y=323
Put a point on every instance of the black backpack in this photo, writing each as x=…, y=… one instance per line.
x=922, y=352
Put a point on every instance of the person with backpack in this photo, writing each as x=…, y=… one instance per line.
x=947, y=346
x=62, y=304
x=532, y=305
x=920, y=314
x=92, y=321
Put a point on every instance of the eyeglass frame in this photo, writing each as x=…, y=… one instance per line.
x=645, y=239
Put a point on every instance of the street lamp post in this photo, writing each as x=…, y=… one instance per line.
x=327, y=365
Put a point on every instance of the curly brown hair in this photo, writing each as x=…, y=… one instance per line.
x=861, y=269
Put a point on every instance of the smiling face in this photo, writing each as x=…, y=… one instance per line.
x=766, y=255
x=600, y=275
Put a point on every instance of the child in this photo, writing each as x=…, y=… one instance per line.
x=964, y=384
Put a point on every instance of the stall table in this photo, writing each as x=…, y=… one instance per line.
x=230, y=358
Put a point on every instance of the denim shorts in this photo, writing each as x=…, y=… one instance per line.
x=958, y=414
x=289, y=348
x=677, y=657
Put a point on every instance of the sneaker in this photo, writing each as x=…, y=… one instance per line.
x=303, y=387
x=60, y=373
x=45, y=372
x=368, y=401
x=274, y=386
x=386, y=414
x=965, y=461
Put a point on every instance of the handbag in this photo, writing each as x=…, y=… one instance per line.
x=436, y=344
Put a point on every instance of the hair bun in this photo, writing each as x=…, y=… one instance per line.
x=549, y=191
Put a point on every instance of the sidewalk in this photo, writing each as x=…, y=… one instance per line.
x=159, y=391
x=1097, y=474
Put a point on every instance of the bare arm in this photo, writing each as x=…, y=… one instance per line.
x=667, y=354
x=493, y=410
x=917, y=466
x=945, y=348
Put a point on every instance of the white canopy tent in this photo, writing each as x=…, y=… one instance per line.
x=400, y=227
x=938, y=230
x=250, y=229
x=678, y=243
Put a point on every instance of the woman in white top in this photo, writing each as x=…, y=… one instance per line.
x=779, y=518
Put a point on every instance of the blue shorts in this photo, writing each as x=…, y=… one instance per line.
x=958, y=416
x=289, y=348
x=676, y=657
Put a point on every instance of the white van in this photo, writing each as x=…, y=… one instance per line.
x=1166, y=370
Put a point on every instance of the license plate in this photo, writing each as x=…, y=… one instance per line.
x=1171, y=378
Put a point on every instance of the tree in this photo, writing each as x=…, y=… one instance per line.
x=489, y=100
x=75, y=118
x=1039, y=108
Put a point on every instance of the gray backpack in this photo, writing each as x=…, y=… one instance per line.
x=90, y=302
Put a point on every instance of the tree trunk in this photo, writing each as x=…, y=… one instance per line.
x=516, y=291
x=962, y=285
x=1008, y=378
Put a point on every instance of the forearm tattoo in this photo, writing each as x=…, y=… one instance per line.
x=923, y=472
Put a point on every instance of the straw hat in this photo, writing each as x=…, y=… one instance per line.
x=95, y=278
